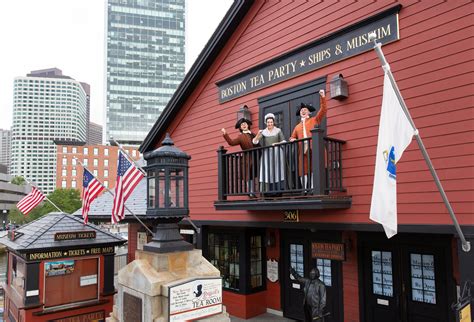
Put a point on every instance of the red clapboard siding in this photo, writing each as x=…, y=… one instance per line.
x=432, y=63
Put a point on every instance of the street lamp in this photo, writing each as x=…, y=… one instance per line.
x=339, y=88
x=167, y=196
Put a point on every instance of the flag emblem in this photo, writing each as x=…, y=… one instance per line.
x=91, y=188
x=30, y=201
x=128, y=176
x=396, y=132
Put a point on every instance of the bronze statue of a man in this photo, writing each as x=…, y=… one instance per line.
x=314, y=300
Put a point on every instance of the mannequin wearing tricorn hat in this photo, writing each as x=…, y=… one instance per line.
x=303, y=130
x=244, y=139
x=272, y=162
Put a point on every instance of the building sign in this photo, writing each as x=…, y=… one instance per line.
x=272, y=270
x=345, y=43
x=74, y=235
x=59, y=268
x=70, y=253
x=291, y=215
x=334, y=251
x=465, y=314
x=195, y=299
x=88, y=280
x=86, y=317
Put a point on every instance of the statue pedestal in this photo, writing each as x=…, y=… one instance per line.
x=143, y=285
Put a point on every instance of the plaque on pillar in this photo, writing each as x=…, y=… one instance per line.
x=132, y=308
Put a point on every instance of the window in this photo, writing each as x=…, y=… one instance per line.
x=256, y=277
x=86, y=151
x=64, y=172
x=324, y=267
x=64, y=161
x=74, y=172
x=134, y=153
x=106, y=162
x=64, y=149
x=423, y=286
x=239, y=256
x=96, y=162
x=382, y=273
x=74, y=161
x=96, y=151
x=96, y=173
x=106, y=183
x=297, y=258
x=106, y=151
x=63, y=184
x=224, y=254
x=73, y=184
x=74, y=150
x=18, y=274
x=106, y=173
x=85, y=162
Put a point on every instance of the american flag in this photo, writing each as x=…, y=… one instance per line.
x=128, y=176
x=30, y=201
x=91, y=188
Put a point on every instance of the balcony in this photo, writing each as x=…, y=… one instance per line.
x=283, y=176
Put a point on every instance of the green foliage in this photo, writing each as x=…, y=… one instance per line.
x=68, y=200
x=18, y=180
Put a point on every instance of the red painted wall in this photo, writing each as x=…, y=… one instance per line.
x=274, y=288
x=433, y=65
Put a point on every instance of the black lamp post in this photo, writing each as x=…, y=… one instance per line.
x=167, y=196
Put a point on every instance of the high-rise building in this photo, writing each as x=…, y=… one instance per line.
x=87, y=89
x=47, y=106
x=145, y=64
x=5, y=148
x=95, y=134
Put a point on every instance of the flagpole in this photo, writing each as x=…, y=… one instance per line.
x=113, y=195
x=45, y=197
x=466, y=246
x=113, y=142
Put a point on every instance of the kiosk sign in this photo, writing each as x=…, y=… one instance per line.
x=195, y=299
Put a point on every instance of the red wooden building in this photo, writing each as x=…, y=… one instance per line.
x=59, y=270
x=274, y=55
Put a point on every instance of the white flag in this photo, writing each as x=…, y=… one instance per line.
x=395, y=134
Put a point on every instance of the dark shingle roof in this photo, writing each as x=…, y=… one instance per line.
x=101, y=208
x=39, y=234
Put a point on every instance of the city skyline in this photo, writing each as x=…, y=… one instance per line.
x=76, y=47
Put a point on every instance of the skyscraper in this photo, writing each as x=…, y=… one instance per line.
x=94, y=136
x=5, y=148
x=47, y=106
x=145, y=63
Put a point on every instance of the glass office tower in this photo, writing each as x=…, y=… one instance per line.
x=145, y=64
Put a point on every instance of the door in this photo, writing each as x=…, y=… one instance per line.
x=406, y=281
x=296, y=250
x=285, y=103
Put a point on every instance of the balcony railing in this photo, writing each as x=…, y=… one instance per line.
x=307, y=168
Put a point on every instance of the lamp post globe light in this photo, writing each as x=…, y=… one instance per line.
x=167, y=196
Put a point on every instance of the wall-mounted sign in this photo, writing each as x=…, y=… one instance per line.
x=272, y=270
x=59, y=268
x=86, y=317
x=88, y=280
x=74, y=235
x=347, y=42
x=291, y=215
x=195, y=299
x=69, y=253
x=334, y=251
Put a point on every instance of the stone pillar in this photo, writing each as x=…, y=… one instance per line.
x=143, y=284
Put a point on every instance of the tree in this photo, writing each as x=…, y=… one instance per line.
x=68, y=200
x=18, y=180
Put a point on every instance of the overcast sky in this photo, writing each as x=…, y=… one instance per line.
x=69, y=35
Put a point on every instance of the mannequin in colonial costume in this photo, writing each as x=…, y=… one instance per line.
x=272, y=161
x=303, y=130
